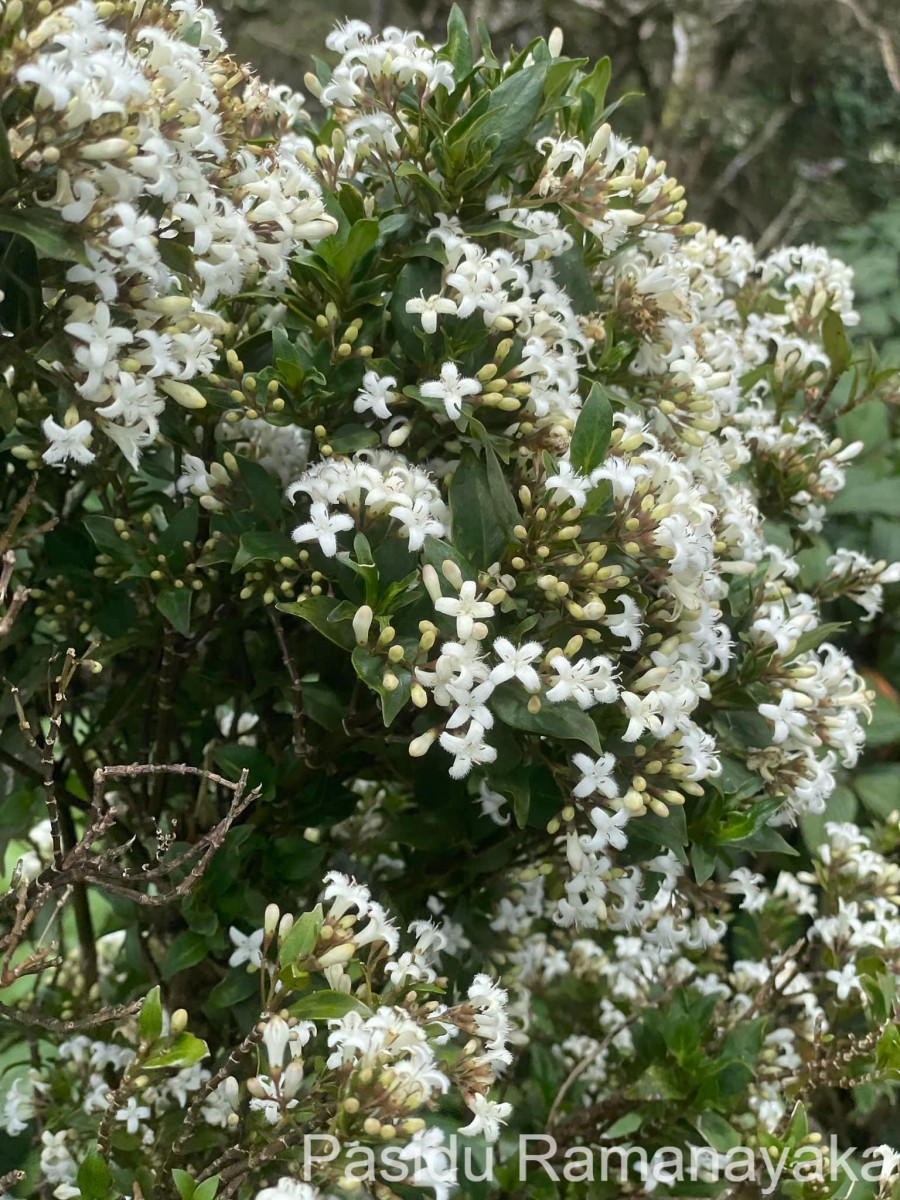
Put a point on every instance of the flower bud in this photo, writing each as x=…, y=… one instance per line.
x=183, y=394
x=362, y=623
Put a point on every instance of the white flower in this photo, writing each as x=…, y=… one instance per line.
x=466, y=608
x=489, y=1116
x=610, y=830
x=596, y=776
x=569, y=484
x=132, y=1114
x=248, y=947
x=846, y=981
x=785, y=716
x=374, y=395
x=428, y=308
x=515, y=663
x=67, y=442
x=468, y=751
x=588, y=681
x=452, y=389
x=890, y=1165
x=289, y=1189
x=322, y=527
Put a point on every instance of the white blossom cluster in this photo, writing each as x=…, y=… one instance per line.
x=685, y=528
x=849, y=909
x=378, y=482
x=138, y=144
x=385, y=1064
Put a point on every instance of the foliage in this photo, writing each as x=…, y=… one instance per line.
x=443, y=525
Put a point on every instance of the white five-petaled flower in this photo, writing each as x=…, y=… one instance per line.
x=785, y=716
x=247, y=947
x=489, y=1115
x=610, y=830
x=846, y=981
x=374, y=395
x=428, y=308
x=569, y=484
x=451, y=389
x=515, y=663
x=596, y=776
x=467, y=609
x=132, y=1114
x=67, y=442
x=468, y=751
x=322, y=527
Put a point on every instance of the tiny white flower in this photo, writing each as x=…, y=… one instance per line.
x=247, y=947
x=451, y=389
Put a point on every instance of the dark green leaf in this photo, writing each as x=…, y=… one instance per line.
x=459, y=45
x=327, y=1005
x=566, y=720
x=480, y=529
x=47, y=232
x=185, y=950
x=262, y=545
x=175, y=606
x=318, y=611
x=590, y=438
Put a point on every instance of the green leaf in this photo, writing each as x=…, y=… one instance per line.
x=320, y=611
x=185, y=950
x=741, y=825
x=150, y=1018
x=175, y=606
x=371, y=669
x=501, y=493
x=834, y=339
x=478, y=527
x=590, y=438
x=703, y=861
x=261, y=545
x=717, y=1132
x=47, y=232
x=207, y=1189
x=301, y=940
x=93, y=1177
x=879, y=789
x=863, y=496
x=106, y=538
x=185, y=1051
x=185, y=1183
x=630, y=1123
x=328, y=1005
x=595, y=84
x=514, y=103
x=235, y=987
x=459, y=45
x=509, y=703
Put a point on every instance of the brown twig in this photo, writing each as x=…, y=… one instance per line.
x=300, y=744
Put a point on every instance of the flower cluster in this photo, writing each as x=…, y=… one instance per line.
x=136, y=143
x=487, y=545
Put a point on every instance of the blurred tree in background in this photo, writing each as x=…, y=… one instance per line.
x=780, y=117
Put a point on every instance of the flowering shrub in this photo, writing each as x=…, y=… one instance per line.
x=440, y=515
